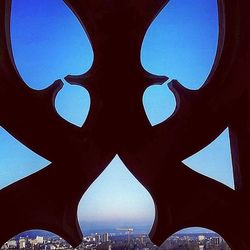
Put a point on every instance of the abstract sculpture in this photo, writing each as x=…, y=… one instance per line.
x=117, y=124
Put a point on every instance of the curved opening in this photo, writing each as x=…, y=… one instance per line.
x=16, y=160
x=195, y=238
x=48, y=45
x=159, y=103
x=182, y=44
x=214, y=160
x=48, y=58
x=115, y=202
x=36, y=239
x=73, y=103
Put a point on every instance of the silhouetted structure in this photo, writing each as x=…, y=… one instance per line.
x=117, y=124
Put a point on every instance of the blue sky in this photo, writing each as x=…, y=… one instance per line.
x=49, y=43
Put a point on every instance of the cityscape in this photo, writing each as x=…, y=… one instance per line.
x=125, y=239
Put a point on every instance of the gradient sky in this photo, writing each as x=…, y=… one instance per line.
x=49, y=43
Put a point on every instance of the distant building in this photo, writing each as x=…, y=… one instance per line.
x=97, y=238
x=39, y=239
x=142, y=239
x=22, y=243
x=50, y=247
x=201, y=237
x=12, y=243
x=5, y=246
x=216, y=240
x=32, y=243
x=105, y=237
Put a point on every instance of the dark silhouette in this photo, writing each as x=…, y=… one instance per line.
x=117, y=124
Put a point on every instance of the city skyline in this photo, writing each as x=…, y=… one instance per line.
x=139, y=241
x=181, y=43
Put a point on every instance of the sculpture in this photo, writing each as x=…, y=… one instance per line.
x=117, y=124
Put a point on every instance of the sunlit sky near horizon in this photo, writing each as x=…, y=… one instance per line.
x=49, y=43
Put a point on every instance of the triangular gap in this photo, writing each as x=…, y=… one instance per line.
x=214, y=160
x=195, y=238
x=16, y=160
x=116, y=200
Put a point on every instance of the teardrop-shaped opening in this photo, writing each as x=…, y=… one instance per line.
x=116, y=200
x=36, y=239
x=195, y=238
x=159, y=103
x=182, y=41
x=215, y=160
x=73, y=103
x=16, y=160
x=48, y=42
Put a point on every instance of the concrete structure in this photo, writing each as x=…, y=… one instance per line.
x=117, y=124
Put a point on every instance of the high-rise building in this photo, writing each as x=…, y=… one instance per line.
x=12, y=243
x=216, y=240
x=105, y=237
x=97, y=238
x=39, y=239
x=201, y=237
x=22, y=243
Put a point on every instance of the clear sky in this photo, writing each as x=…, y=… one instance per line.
x=49, y=43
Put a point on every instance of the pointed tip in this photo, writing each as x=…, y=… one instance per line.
x=174, y=85
x=81, y=80
x=51, y=92
x=71, y=79
x=76, y=79
x=55, y=87
x=159, y=233
x=158, y=4
x=163, y=3
x=160, y=79
x=154, y=79
x=178, y=89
